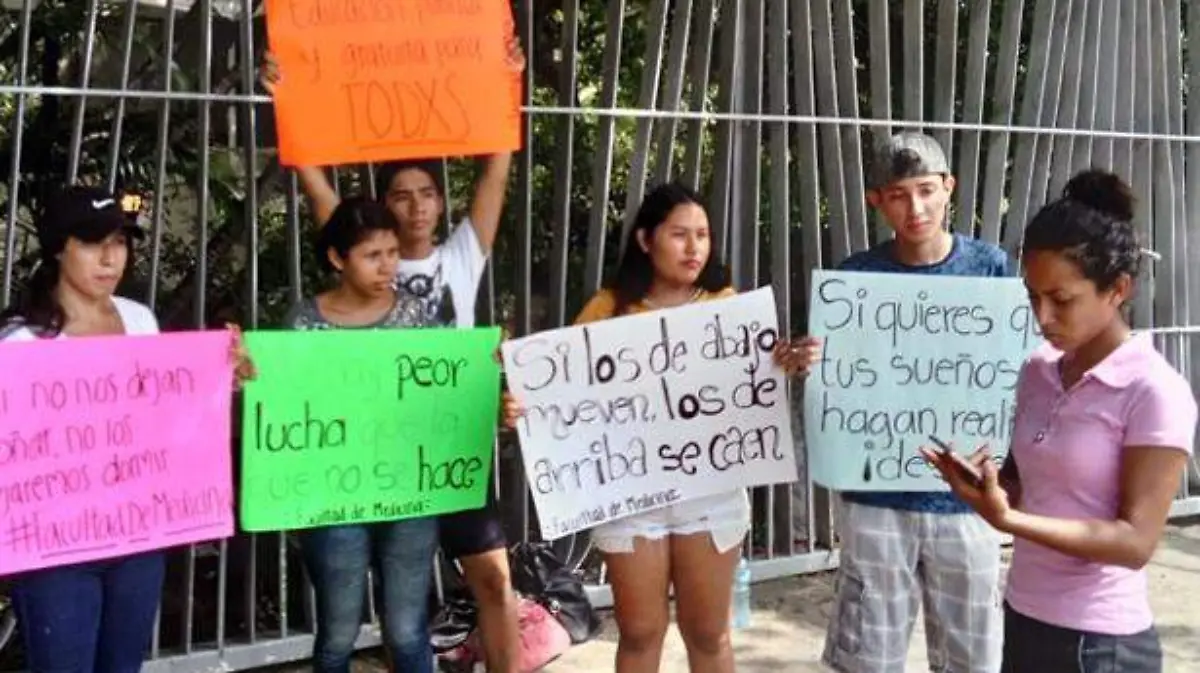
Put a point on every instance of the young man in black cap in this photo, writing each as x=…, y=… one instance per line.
x=904, y=548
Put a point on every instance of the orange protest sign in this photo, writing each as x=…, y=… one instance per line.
x=371, y=80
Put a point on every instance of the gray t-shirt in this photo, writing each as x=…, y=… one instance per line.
x=406, y=312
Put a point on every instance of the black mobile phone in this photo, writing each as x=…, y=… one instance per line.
x=965, y=468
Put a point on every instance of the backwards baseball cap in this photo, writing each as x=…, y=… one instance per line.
x=905, y=155
x=89, y=214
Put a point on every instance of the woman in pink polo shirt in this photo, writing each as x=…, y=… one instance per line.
x=1103, y=430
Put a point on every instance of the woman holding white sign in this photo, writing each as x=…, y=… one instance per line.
x=97, y=615
x=693, y=545
x=1103, y=429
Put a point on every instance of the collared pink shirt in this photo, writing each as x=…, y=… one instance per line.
x=1068, y=446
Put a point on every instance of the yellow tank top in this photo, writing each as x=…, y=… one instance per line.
x=604, y=303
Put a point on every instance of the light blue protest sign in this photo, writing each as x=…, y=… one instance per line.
x=907, y=356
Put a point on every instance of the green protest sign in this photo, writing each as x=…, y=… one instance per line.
x=356, y=426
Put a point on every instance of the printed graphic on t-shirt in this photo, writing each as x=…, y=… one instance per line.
x=432, y=293
x=447, y=281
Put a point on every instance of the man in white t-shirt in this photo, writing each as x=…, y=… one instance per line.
x=445, y=278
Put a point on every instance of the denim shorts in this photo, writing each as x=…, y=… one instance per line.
x=472, y=532
x=725, y=517
x=1032, y=646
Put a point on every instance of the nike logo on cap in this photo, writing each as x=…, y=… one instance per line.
x=103, y=203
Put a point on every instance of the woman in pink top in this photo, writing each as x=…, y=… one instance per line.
x=1103, y=430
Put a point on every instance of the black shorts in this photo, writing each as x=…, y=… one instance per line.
x=473, y=531
x=1031, y=645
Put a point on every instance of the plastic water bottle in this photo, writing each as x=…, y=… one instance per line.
x=741, y=595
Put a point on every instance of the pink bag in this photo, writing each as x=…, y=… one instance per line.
x=543, y=638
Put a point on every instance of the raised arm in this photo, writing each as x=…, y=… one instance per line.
x=490, y=190
x=321, y=196
x=488, y=203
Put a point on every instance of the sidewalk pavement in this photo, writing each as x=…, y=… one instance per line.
x=788, y=628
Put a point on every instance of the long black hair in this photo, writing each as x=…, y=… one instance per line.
x=37, y=307
x=635, y=272
x=1091, y=225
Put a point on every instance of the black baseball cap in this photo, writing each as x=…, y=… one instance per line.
x=89, y=214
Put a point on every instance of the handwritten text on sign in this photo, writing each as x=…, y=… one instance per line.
x=367, y=425
x=636, y=413
x=369, y=80
x=905, y=357
x=112, y=446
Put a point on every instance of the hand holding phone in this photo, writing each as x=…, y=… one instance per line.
x=966, y=470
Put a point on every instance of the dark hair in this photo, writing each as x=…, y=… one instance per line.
x=1092, y=225
x=354, y=219
x=37, y=307
x=635, y=272
x=385, y=173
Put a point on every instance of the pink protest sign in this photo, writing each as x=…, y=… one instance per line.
x=112, y=446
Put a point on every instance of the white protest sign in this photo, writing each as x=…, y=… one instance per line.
x=906, y=356
x=636, y=413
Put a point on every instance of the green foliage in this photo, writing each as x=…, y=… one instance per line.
x=58, y=38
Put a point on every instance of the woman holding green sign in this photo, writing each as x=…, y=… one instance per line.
x=693, y=545
x=360, y=244
x=96, y=616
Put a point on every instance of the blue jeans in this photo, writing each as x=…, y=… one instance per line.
x=1032, y=646
x=401, y=554
x=91, y=617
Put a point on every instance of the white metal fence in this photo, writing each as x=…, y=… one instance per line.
x=765, y=106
